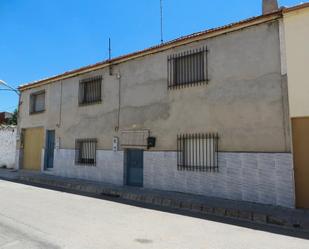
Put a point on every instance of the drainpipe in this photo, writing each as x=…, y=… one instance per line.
x=118, y=76
x=60, y=106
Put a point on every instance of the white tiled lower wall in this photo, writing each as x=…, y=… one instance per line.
x=256, y=177
x=109, y=167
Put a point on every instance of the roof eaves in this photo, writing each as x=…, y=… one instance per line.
x=295, y=8
x=154, y=49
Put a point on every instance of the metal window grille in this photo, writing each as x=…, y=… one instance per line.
x=37, y=102
x=197, y=152
x=188, y=68
x=85, y=151
x=90, y=90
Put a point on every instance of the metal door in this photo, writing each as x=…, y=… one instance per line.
x=49, y=149
x=134, y=166
x=300, y=129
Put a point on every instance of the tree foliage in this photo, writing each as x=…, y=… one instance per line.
x=13, y=119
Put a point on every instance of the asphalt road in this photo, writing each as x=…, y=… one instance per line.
x=32, y=217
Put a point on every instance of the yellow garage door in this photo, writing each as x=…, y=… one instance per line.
x=301, y=160
x=33, y=144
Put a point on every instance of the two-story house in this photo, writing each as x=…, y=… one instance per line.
x=212, y=113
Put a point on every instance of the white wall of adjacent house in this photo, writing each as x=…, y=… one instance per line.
x=7, y=146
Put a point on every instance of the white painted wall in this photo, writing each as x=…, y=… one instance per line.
x=7, y=146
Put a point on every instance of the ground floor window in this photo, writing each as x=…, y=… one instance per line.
x=85, y=151
x=197, y=152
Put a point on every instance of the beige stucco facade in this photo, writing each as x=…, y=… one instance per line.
x=244, y=100
x=296, y=25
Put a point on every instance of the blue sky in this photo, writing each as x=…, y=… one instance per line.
x=42, y=38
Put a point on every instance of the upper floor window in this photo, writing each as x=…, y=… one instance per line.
x=37, y=102
x=188, y=68
x=90, y=90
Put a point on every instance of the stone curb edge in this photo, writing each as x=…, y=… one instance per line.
x=196, y=207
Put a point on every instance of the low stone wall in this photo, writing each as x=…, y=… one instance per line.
x=7, y=146
x=265, y=178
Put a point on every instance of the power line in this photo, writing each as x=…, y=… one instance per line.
x=6, y=90
x=10, y=90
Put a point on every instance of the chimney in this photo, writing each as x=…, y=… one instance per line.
x=269, y=6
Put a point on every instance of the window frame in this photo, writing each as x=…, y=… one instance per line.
x=82, y=88
x=191, y=75
x=79, y=161
x=198, y=152
x=32, y=102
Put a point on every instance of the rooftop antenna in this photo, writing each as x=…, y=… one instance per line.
x=110, y=56
x=161, y=19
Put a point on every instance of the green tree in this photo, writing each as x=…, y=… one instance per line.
x=13, y=119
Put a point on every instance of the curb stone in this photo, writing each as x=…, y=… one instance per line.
x=260, y=218
x=143, y=196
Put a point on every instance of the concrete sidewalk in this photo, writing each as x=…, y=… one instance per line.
x=253, y=212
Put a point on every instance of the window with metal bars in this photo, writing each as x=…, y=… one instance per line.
x=188, y=68
x=90, y=90
x=197, y=152
x=85, y=152
x=37, y=102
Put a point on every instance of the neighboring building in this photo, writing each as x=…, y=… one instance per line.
x=206, y=114
x=7, y=146
x=4, y=117
x=296, y=33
